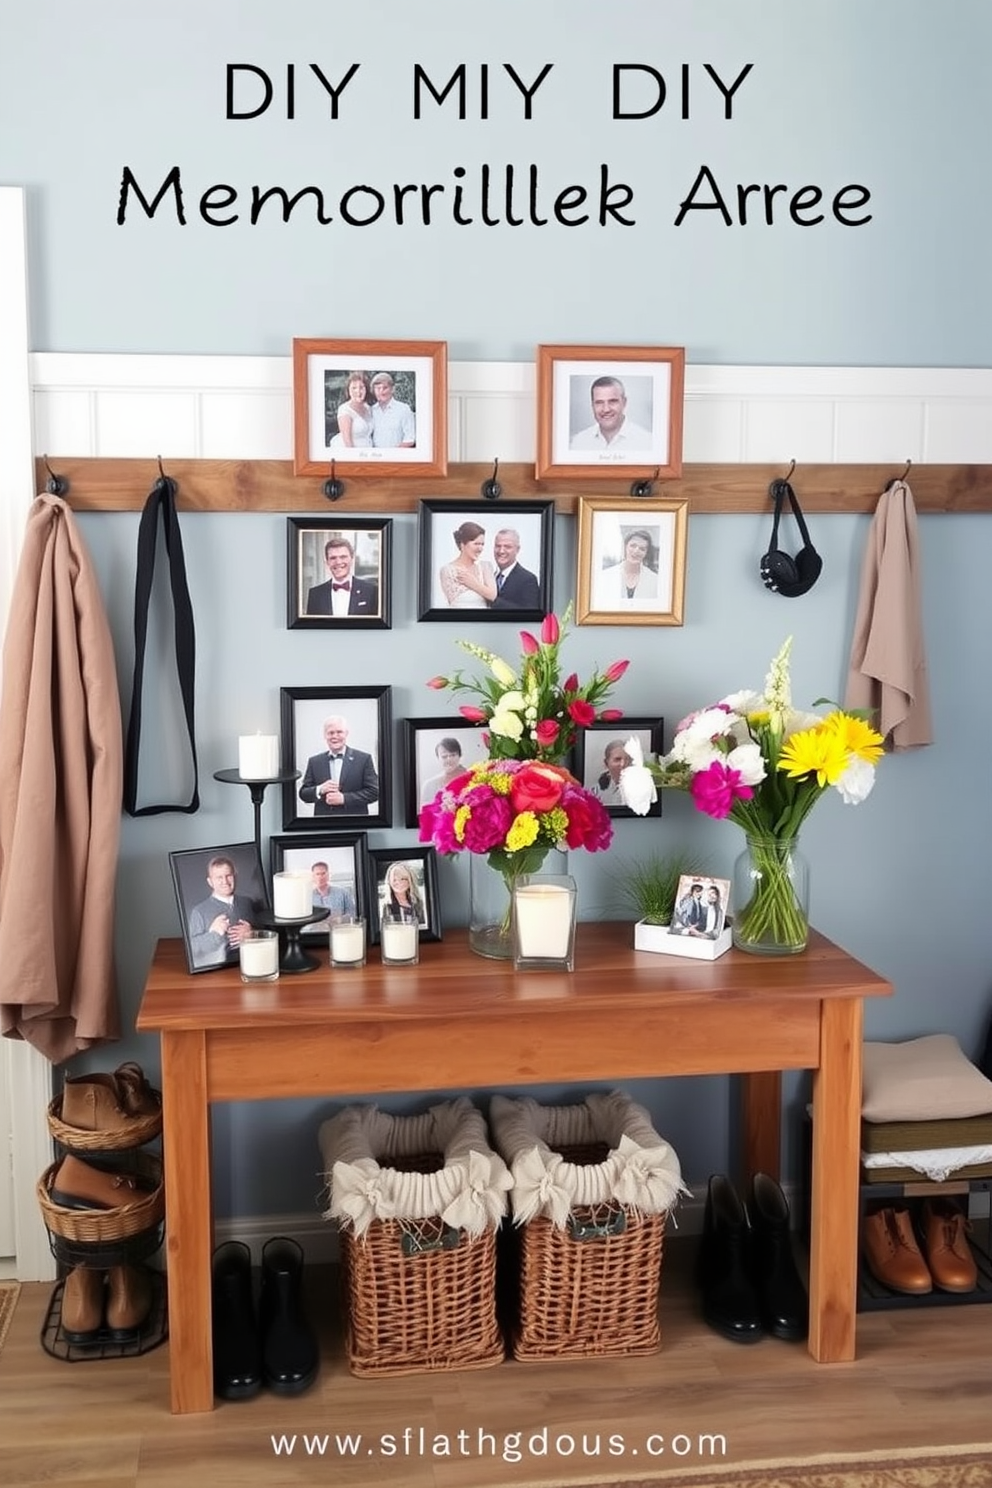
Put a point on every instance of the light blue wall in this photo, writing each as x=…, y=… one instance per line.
x=893, y=95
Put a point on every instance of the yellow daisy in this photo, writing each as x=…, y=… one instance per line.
x=818, y=750
x=859, y=737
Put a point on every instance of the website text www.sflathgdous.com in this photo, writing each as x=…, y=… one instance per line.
x=506, y=1446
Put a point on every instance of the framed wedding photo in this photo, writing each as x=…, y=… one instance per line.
x=376, y=408
x=490, y=562
x=338, y=865
x=338, y=573
x=608, y=410
x=338, y=738
x=631, y=561
x=435, y=751
x=220, y=893
x=600, y=755
x=404, y=878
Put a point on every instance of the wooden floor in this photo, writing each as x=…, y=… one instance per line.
x=922, y=1378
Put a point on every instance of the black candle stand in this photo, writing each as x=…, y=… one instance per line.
x=257, y=789
x=292, y=957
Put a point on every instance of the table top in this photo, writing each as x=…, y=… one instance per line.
x=452, y=982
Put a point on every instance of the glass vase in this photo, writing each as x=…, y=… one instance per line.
x=490, y=899
x=771, y=897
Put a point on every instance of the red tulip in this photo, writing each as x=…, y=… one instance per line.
x=549, y=630
x=528, y=643
x=610, y=715
x=438, y=683
x=474, y=715
x=571, y=683
x=616, y=671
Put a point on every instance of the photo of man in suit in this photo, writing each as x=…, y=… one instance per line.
x=516, y=587
x=339, y=781
x=342, y=593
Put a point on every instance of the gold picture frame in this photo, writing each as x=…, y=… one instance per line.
x=631, y=561
x=609, y=410
x=405, y=433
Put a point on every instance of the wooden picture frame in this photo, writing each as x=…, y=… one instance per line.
x=366, y=774
x=344, y=855
x=406, y=432
x=434, y=751
x=604, y=411
x=324, y=553
x=420, y=867
x=597, y=761
x=624, y=543
x=446, y=530
x=197, y=876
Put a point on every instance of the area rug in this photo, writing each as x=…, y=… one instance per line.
x=9, y=1293
x=925, y=1467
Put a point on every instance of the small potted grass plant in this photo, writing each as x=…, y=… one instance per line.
x=650, y=886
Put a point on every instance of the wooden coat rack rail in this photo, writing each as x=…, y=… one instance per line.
x=105, y=485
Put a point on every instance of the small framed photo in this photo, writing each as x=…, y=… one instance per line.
x=631, y=562
x=220, y=891
x=435, y=750
x=607, y=409
x=601, y=754
x=404, y=878
x=494, y=563
x=338, y=738
x=379, y=408
x=338, y=573
x=338, y=865
x=701, y=907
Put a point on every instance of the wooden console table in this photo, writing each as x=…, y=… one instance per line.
x=457, y=1021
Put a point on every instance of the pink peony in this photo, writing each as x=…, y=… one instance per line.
x=716, y=788
x=589, y=824
x=490, y=818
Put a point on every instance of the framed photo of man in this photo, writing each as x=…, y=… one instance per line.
x=601, y=754
x=404, y=878
x=435, y=751
x=338, y=866
x=220, y=893
x=338, y=738
x=608, y=409
x=338, y=573
x=631, y=561
x=489, y=562
x=377, y=408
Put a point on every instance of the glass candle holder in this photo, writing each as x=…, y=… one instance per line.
x=348, y=940
x=258, y=956
x=543, y=922
x=399, y=938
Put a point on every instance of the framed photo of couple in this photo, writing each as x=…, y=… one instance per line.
x=379, y=408
x=490, y=562
x=606, y=410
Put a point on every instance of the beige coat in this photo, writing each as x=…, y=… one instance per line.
x=60, y=796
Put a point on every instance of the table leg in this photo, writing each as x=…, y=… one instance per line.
x=833, y=1258
x=761, y=1117
x=188, y=1219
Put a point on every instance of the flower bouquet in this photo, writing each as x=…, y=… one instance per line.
x=756, y=760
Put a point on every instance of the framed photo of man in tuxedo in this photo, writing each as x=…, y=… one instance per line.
x=338, y=738
x=338, y=573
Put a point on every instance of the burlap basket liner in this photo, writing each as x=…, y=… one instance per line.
x=418, y=1200
x=592, y=1184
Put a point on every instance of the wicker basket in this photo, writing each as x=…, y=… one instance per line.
x=139, y=1130
x=100, y=1226
x=419, y=1292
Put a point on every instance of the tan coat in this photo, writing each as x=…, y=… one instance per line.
x=60, y=796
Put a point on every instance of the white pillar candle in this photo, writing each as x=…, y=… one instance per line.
x=399, y=941
x=259, y=956
x=258, y=756
x=348, y=942
x=292, y=895
x=544, y=920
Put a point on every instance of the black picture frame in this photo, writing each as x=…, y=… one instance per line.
x=352, y=550
x=592, y=746
x=422, y=762
x=437, y=525
x=368, y=714
x=346, y=856
x=189, y=868
x=421, y=863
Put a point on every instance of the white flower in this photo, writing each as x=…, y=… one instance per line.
x=506, y=724
x=502, y=671
x=856, y=782
x=778, y=690
x=748, y=759
x=695, y=741
x=636, y=784
x=745, y=702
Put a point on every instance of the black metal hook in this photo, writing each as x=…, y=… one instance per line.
x=789, y=474
x=165, y=482
x=333, y=489
x=641, y=488
x=491, y=489
x=56, y=485
x=895, y=479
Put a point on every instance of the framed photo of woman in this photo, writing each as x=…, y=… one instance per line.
x=631, y=565
x=601, y=754
x=377, y=408
x=404, y=878
x=485, y=563
x=435, y=751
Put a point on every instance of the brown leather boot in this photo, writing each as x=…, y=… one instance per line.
x=945, y=1230
x=83, y=1185
x=82, y=1305
x=129, y=1301
x=892, y=1254
x=108, y=1102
